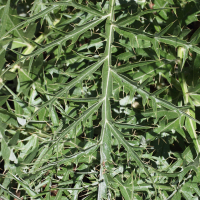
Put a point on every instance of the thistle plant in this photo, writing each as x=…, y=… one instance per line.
x=99, y=99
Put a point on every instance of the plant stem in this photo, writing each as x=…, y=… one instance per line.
x=189, y=123
x=106, y=108
x=184, y=89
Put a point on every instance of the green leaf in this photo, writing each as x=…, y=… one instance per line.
x=68, y=158
x=78, y=6
x=89, y=70
x=5, y=18
x=75, y=123
x=25, y=186
x=133, y=86
x=9, y=192
x=97, y=102
x=127, y=67
x=131, y=18
x=127, y=194
x=132, y=153
x=29, y=20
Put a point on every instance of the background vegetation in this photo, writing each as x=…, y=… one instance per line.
x=99, y=99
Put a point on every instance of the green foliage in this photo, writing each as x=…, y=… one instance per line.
x=99, y=99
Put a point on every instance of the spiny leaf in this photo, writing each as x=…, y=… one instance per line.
x=9, y=192
x=30, y=19
x=68, y=158
x=78, y=31
x=78, y=6
x=4, y=18
x=164, y=30
x=131, y=18
x=127, y=67
x=144, y=138
x=137, y=127
x=133, y=85
x=86, y=114
x=174, y=41
x=135, y=157
x=71, y=84
x=25, y=186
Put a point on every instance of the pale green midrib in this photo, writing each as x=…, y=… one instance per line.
x=106, y=106
x=106, y=113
